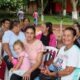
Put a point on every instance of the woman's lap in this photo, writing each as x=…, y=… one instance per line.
x=33, y=75
x=15, y=77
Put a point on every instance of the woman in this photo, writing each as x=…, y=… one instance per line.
x=77, y=28
x=35, y=50
x=8, y=40
x=26, y=22
x=67, y=61
x=47, y=37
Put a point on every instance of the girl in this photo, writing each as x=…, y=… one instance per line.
x=47, y=37
x=35, y=16
x=67, y=60
x=23, y=62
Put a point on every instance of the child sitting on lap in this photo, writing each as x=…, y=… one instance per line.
x=23, y=63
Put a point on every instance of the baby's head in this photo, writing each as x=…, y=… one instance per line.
x=18, y=46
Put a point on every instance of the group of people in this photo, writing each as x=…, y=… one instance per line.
x=35, y=15
x=22, y=50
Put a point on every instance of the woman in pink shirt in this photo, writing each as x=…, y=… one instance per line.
x=34, y=48
x=47, y=36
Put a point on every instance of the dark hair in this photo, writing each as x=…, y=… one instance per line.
x=14, y=23
x=18, y=42
x=78, y=25
x=31, y=27
x=3, y=21
x=72, y=30
x=77, y=40
x=25, y=19
x=49, y=25
x=74, y=34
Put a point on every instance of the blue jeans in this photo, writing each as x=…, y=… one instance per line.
x=52, y=68
x=36, y=21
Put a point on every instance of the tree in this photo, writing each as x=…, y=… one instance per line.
x=11, y=4
x=74, y=12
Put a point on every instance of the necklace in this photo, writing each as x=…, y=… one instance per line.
x=66, y=48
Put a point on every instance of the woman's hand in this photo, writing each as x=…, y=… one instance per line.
x=10, y=58
x=42, y=70
x=47, y=72
x=26, y=76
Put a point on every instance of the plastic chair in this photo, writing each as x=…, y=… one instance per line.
x=51, y=53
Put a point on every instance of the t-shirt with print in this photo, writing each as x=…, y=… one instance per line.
x=66, y=58
x=33, y=49
x=10, y=37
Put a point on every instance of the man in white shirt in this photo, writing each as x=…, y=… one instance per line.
x=20, y=15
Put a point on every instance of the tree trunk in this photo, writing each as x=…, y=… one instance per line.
x=64, y=7
x=75, y=15
x=74, y=12
x=64, y=12
x=42, y=9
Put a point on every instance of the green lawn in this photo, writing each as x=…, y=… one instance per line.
x=55, y=20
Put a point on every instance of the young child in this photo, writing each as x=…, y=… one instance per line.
x=35, y=15
x=23, y=63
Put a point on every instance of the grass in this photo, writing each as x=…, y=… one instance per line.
x=55, y=20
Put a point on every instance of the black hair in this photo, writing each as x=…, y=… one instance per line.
x=77, y=41
x=72, y=30
x=74, y=34
x=49, y=25
x=78, y=25
x=14, y=23
x=3, y=21
x=31, y=27
x=25, y=19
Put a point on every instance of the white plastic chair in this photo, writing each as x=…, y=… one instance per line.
x=51, y=52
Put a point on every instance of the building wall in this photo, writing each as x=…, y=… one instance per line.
x=58, y=7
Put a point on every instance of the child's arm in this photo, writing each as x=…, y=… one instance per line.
x=20, y=60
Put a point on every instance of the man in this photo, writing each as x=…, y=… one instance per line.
x=5, y=24
x=20, y=15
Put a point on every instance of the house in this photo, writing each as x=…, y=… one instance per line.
x=50, y=6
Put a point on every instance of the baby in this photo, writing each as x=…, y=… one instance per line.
x=22, y=64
